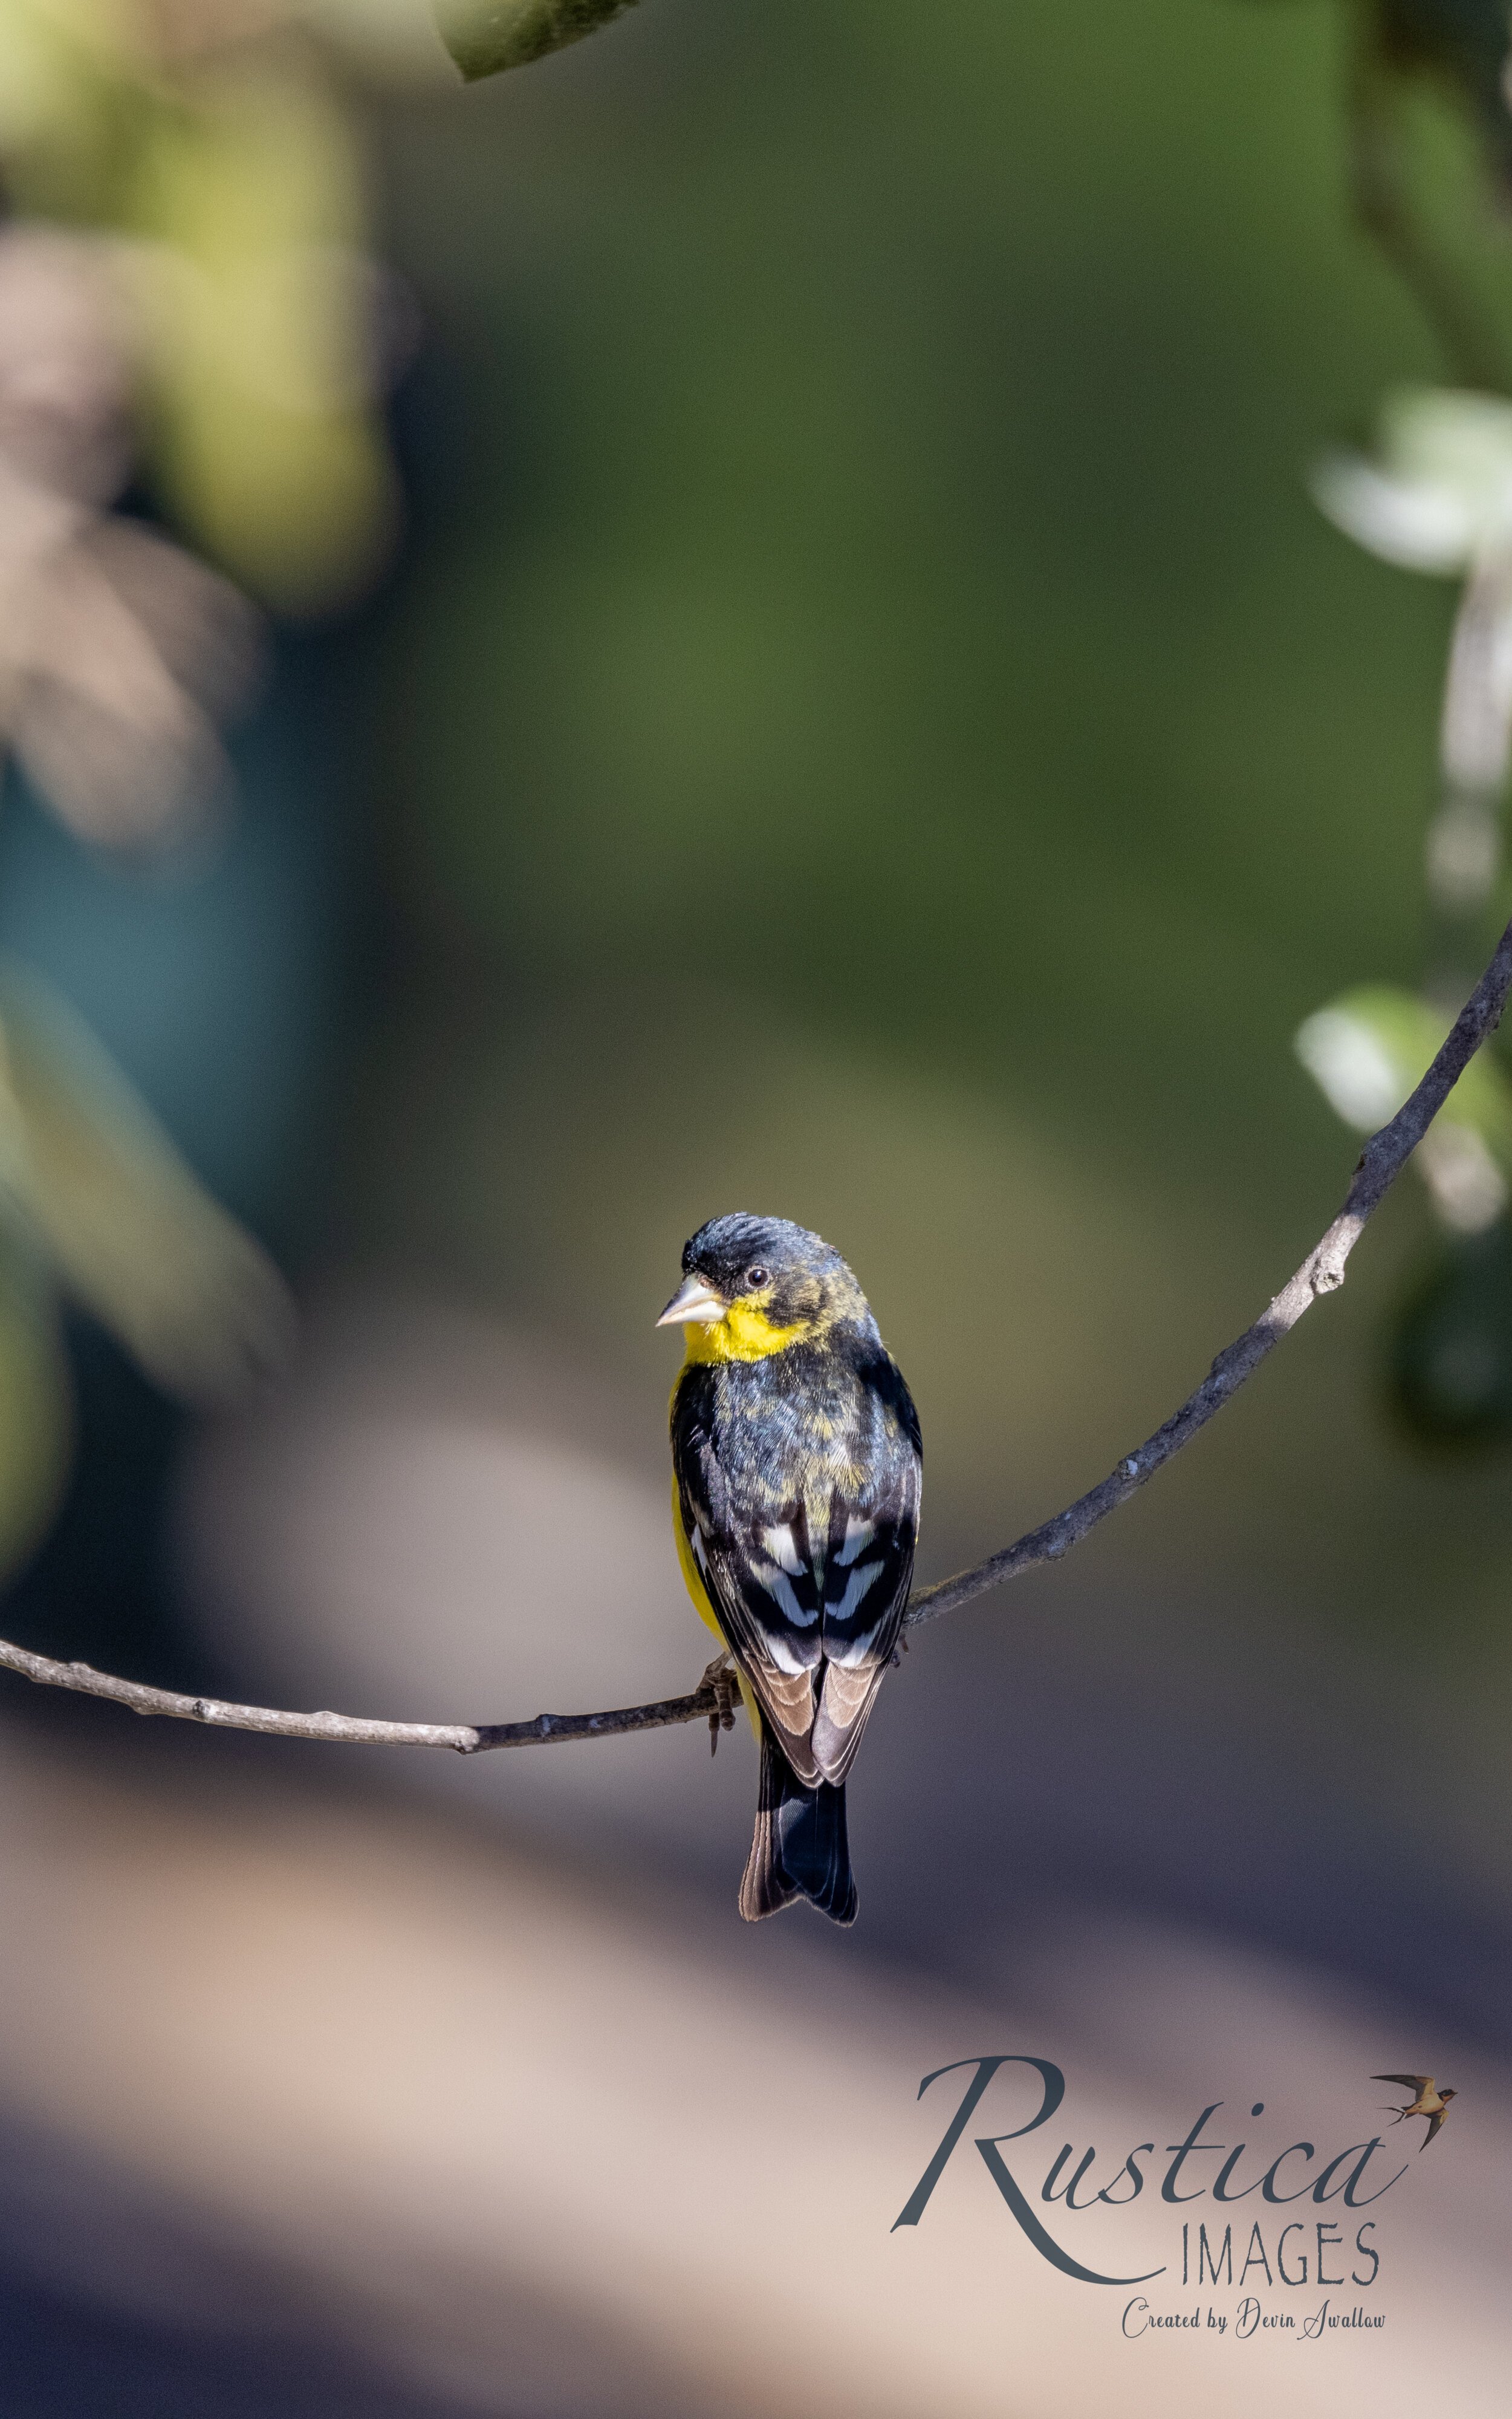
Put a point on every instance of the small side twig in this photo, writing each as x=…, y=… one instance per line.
x=713, y=1700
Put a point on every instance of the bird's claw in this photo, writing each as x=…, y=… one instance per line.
x=720, y=1677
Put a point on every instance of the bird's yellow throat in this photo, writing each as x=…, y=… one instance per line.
x=744, y=1333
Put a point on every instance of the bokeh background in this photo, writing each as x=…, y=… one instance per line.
x=855, y=716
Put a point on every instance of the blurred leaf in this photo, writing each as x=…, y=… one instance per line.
x=1464, y=44
x=1460, y=440
x=485, y=37
x=1439, y=498
x=387, y=41
x=1439, y=491
x=66, y=364
x=1421, y=526
x=1450, y=1373
x=73, y=73
x=131, y=1232
x=1367, y=1050
x=263, y=315
x=117, y=649
x=118, y=652
x=34, y=1410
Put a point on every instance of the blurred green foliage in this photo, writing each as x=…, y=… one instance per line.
x=1379, y=1043
x=35, y=1413
x=212, y=139
x=1465, y=45
x=96, y=1205
x=899, y=591
x=1451, y=1347
x=878, y=729
x=260, y=402
x=216, y=297
x=485, y=37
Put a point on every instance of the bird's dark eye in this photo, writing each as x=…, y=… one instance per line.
x=756, y=1278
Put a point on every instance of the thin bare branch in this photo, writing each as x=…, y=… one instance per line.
x=1380, y=1163
x=710, y=1701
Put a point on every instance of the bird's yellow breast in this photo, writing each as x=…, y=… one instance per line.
x=744, y=1333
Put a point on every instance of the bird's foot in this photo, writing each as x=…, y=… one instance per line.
x=721, y=1678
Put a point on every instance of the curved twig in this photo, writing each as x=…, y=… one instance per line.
x=1380, y=1163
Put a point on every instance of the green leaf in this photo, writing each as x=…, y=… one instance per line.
x=485, y=37
x=90, y=1178
x=35, y=1413
x=257, y=316
x=1367, y=1050
x=1450, y=1372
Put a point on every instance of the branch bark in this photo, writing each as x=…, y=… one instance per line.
x=708, y=1700
x=1380, y=1163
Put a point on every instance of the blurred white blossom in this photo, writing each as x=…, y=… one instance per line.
x=1436, y=497
x=1437, y=494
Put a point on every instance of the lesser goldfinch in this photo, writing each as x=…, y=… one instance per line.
x=796, y=1471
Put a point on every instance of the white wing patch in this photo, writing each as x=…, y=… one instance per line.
x=776, y=1646
x=856, y=1587
x=782, y=1546
x=859, y=1535
x=780, y=1588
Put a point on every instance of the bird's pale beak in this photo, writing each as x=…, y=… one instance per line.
x=694, y=1301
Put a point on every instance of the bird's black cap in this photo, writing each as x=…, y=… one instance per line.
x=725, y=1250
x=793, y=1273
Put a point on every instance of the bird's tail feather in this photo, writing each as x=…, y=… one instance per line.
x=798, y=1848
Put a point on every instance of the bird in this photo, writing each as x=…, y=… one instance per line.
x=797, y=1466
x=1430, y=2101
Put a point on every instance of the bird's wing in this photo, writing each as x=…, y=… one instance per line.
x=1433, y=2123
x=809, y=1588
x=822, y=1581
x=1418, y=2082
x=760, y=1583
x=866, y=1576
x=767, y=1604
x=822, y=1589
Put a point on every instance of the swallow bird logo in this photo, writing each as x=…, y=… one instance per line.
x=1430, y=2101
